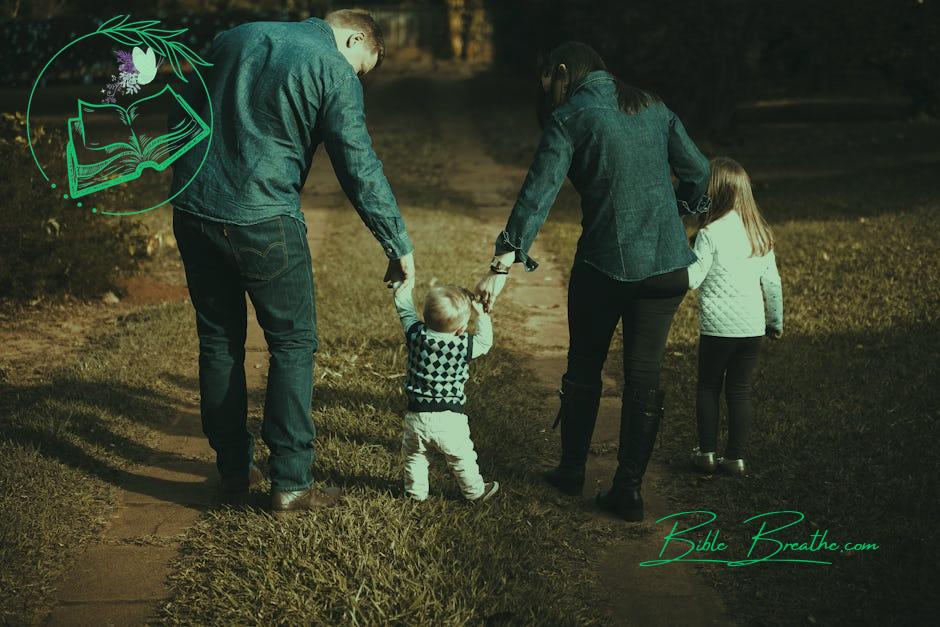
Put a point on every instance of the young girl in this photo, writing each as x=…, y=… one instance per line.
x=736, y=264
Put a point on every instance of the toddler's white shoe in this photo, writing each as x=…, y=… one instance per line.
x=489, y=489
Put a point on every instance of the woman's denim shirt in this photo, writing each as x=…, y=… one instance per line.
x=621, y=164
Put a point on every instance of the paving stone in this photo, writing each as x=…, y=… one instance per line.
x=110, y=573
x=151, y=519
x=102, y=614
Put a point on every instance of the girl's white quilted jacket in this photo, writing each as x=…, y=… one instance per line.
x=732, y=284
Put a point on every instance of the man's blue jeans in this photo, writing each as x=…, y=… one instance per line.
x=271, y=262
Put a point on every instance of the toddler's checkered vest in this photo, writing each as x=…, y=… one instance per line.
x=438, y=368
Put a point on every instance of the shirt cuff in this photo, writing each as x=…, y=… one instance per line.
x=397, y=247
x=504, y=245
x=702, y=206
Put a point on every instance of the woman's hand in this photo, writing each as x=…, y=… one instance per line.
x=488, y=289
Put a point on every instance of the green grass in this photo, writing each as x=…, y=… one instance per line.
x=69, y=438
x=846, y=412
x=382, y=558
x=846, y=403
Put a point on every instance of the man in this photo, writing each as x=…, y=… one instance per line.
x=277, y=90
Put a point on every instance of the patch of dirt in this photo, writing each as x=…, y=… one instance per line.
x=32, y=332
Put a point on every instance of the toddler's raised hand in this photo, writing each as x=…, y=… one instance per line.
x=407, y=285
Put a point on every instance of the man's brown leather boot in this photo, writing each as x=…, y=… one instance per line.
x=314, y=497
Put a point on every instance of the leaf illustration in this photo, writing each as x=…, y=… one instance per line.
x=154, y=42
x=122, y=38
x=141, y=25
x=165, y=34
x=115, y=21
x=193, y=58
x=159, y=39
x=177, y=66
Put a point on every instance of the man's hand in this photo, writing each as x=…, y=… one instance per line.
x=400, y=270
x=488, y=289
x=774, y=334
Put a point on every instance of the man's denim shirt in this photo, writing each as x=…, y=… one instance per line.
x=278, y=89
x=621, y=165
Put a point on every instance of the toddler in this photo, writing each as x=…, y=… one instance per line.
x=439, y=354
x=736, y=270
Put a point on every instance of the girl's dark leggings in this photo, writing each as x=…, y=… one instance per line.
x=597, y=302
x=728, y=362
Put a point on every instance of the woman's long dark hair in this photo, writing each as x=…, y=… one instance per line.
x=580, y=59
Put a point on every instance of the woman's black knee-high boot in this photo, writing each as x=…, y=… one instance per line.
x=640, y=417
x=577, y=415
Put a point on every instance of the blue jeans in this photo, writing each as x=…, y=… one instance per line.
x=270, y=261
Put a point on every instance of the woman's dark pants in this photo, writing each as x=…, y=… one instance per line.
x=727, y=362
x=270, y=261
x=596, y=304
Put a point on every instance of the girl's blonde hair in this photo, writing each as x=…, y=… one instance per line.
x=446, y=307
x=730, y=190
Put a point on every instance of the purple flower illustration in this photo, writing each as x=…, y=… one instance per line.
x=125, y=61
x=125, y=81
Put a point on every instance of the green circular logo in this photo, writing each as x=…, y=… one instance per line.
x=92, y=167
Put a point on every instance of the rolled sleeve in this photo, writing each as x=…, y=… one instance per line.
x=359, y=169
x=542, y=184
x=505, y=245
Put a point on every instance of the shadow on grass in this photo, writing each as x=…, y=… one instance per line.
x=844, y=431
x=102, y=428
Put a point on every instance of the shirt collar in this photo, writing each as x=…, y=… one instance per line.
x=441, y=334
x=592, y=77
x=324, y=27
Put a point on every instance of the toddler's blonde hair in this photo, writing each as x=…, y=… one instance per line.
x=446, y=308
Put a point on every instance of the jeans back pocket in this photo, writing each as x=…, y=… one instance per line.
x=260, y=249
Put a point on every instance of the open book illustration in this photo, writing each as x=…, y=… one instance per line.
x=95, y=163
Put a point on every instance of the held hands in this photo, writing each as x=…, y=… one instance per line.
x=399, y=271
x=403, y=286
x=492, y=284
x=488, y=290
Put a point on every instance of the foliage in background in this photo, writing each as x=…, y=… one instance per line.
x=29, y=43
x=905, y=45
x=701, y=55
x=49, y=245
x=704, y=57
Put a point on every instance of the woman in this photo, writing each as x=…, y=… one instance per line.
x=619, y=146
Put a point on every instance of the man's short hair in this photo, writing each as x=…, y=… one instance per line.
x=361, y=20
